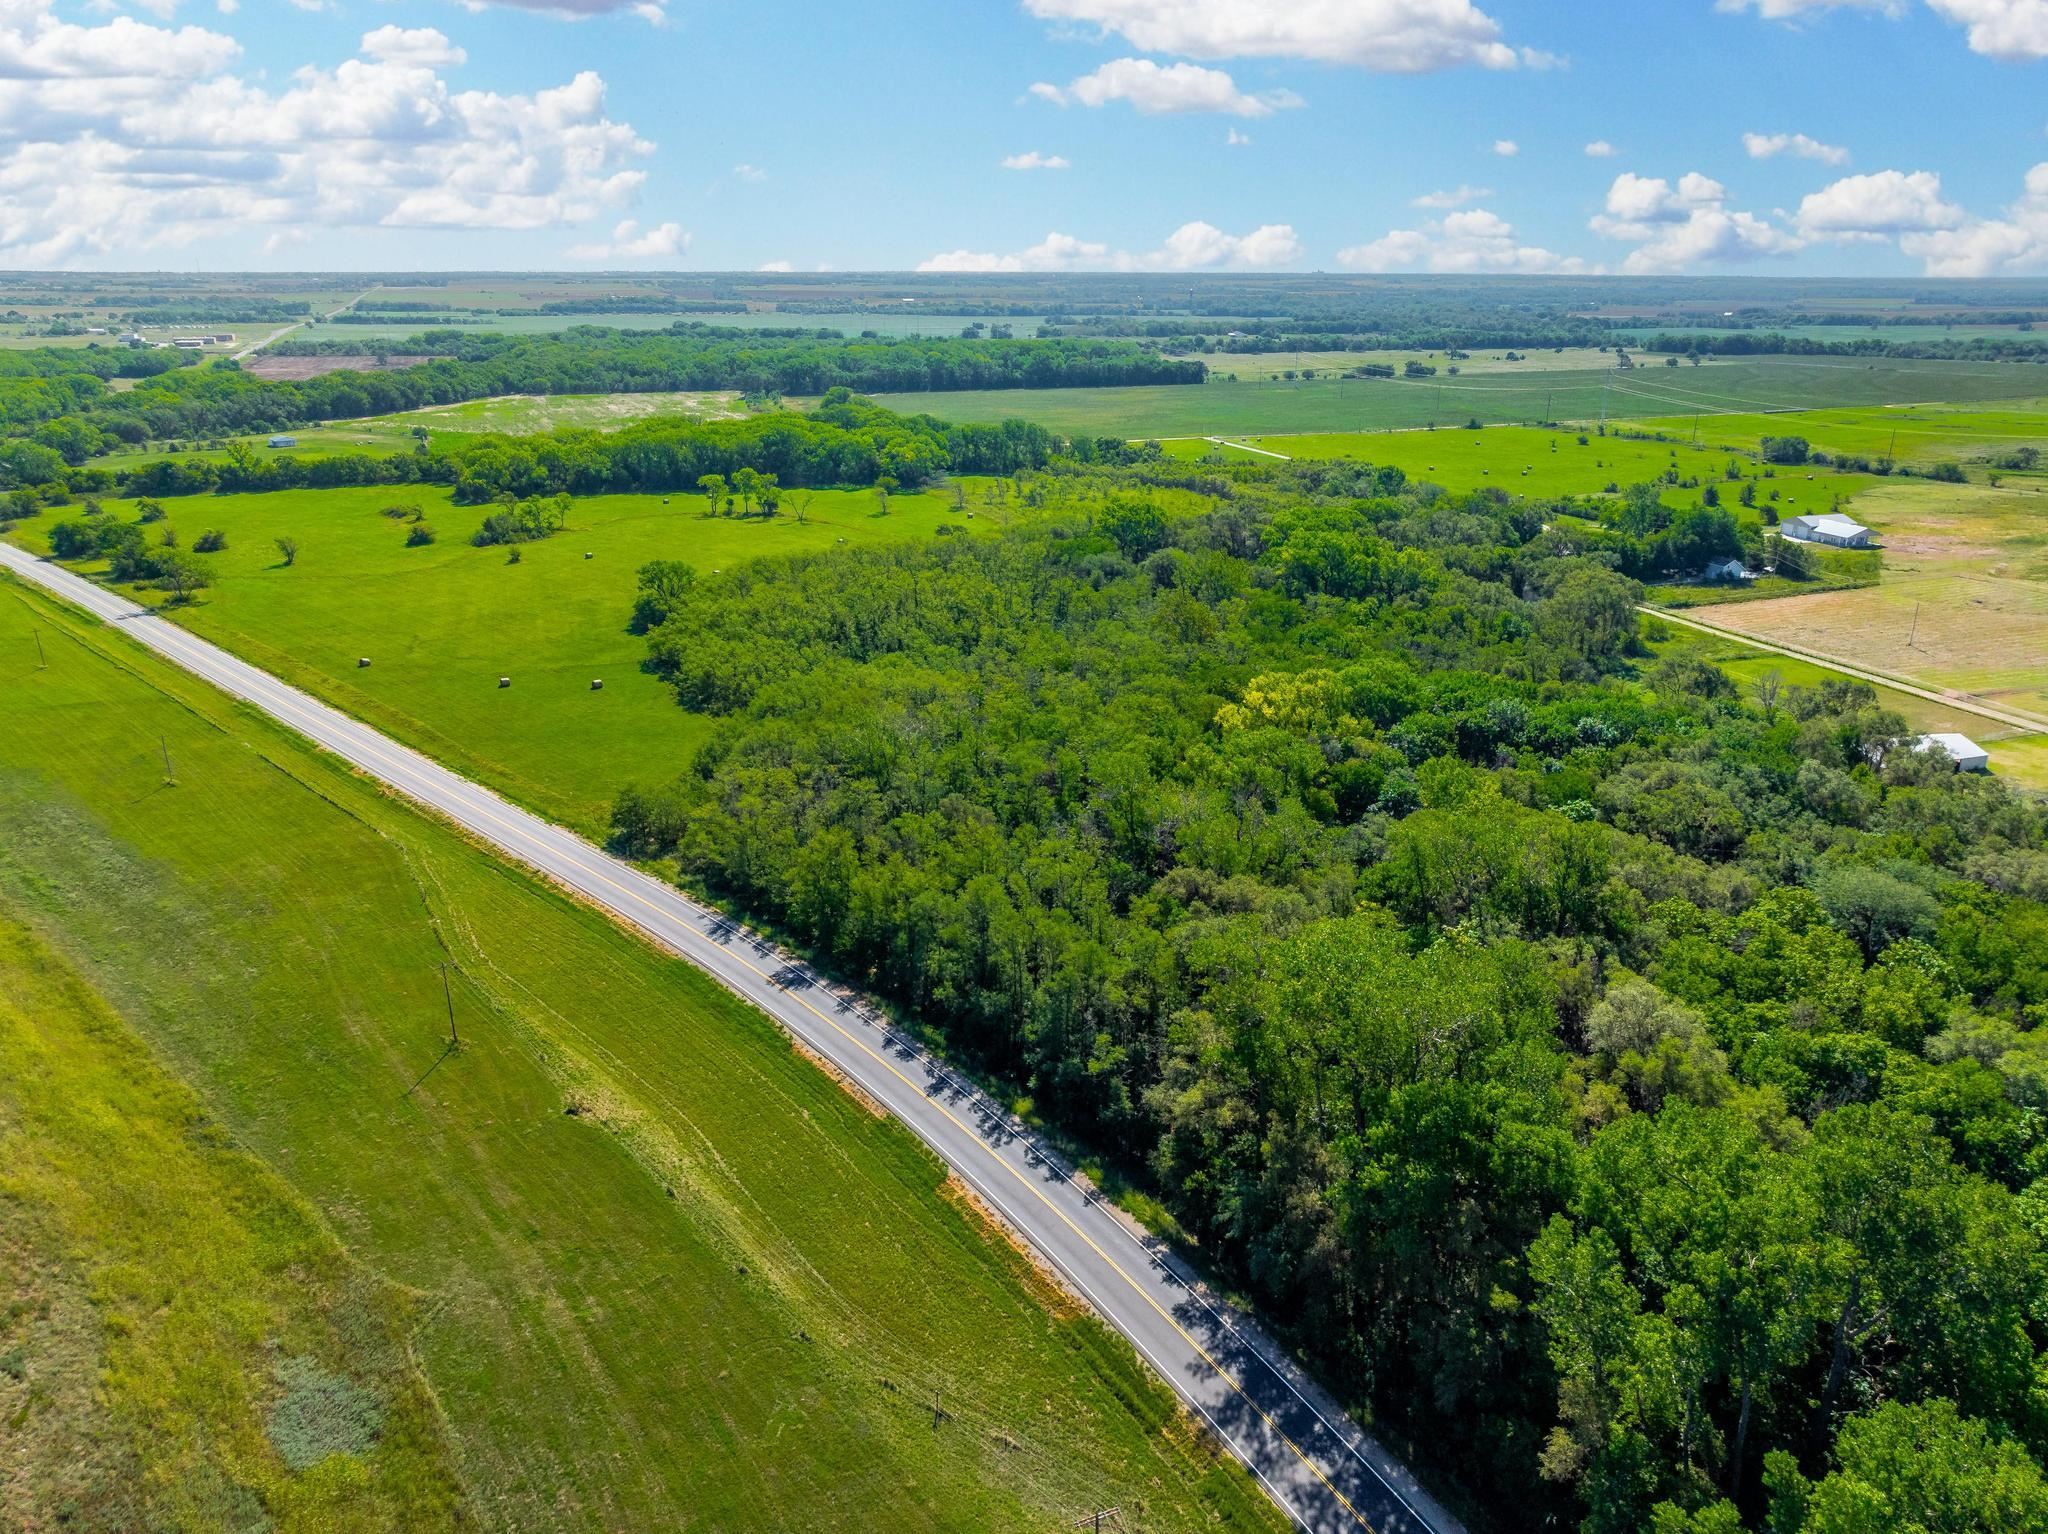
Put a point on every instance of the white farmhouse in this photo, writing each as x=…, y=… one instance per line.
x=1828, y=527
x=1960, y=749
x=1728, y=570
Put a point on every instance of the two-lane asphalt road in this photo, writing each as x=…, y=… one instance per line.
x=1315, y=1462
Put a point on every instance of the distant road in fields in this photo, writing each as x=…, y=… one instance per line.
x=1316, y=1464
x=1962, y=702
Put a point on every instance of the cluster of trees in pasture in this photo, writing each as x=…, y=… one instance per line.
x=1633, y=1089
x=131, y=554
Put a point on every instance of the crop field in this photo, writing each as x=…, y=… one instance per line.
x=1349, y=405
x=1913, y=433
x=1534, y=461
x=441, y=623
x=656, y=1270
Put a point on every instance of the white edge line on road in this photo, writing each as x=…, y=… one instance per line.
x=277, y=698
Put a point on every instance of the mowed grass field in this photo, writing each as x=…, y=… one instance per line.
x=1525, y=460
x=441, y=623
x=1345, y=405
x=1913, y=433
x=175, y=1322
x=657, y=1271
x=2017, y=755
x=1963, y=603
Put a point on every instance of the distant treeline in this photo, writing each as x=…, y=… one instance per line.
x=846, y=441
x=2009, y=348
x=1766, y=320
x=224, y=311
x=1363, y=333
x=57, y=398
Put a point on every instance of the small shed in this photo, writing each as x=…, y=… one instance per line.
x=1828, y=527
x=1728, y=570
x=1960, y=749
x=284, y=441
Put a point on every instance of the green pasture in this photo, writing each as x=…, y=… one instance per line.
x=1535, y=461
x=1266, y=366
x=1916, y=433
x=658, y=1271
x=1347, y=405
x=440, y=624
x=169, y=1308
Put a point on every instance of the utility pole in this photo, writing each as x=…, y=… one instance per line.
x=170, y=778
x=938, y=1410
x=42, y=660
x=448, y=996
x=1603, y=406
x=1915, y=634
x=1094, y=1520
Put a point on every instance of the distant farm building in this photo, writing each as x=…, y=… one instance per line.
x=188, y=343
x=1728, y=570
x=222, y=338
x=1960, y=749
x=1829, y=527
x=284, y=441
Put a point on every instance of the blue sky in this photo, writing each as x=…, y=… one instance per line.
x=1802, y=137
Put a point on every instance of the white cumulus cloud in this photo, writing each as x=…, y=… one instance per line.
x=1159, y=89
x=1884, y=202
x=1768, y=146
x=1506, y=148
x=1388, y=36
x=1194, y=246
x=1033, y=160
x=1457, y=197
x=121, y=138
x=1470, y=241
x=1998, y=247
x=629, y=242
x=2003, y=29
x=1677, y=228
x=1999, y=29
x=1600, y=149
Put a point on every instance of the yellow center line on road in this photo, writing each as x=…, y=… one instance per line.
x=372, y=746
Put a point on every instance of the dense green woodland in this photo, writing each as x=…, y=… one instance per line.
x=1633, y=1091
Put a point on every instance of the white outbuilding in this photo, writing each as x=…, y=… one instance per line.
x=1960, y=749
x=1728, y=570
x=1828, y=527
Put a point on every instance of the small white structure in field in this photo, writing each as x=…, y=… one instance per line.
x=1828, y=527
x=1960, y=749
x=1728, y=570
x=284, y=441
